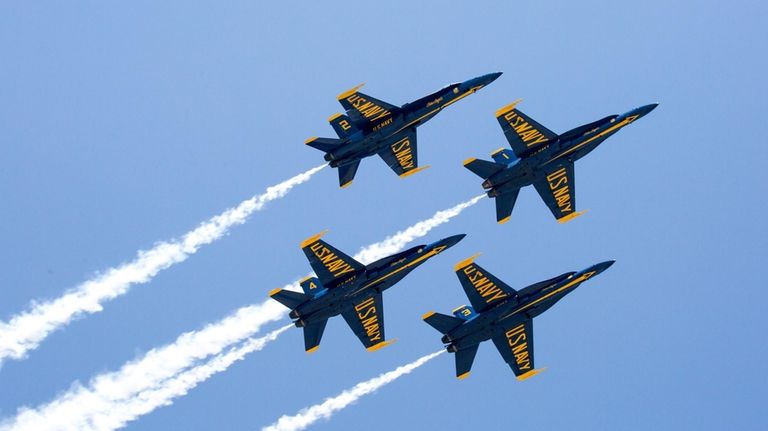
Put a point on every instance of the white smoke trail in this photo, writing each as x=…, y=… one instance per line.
x=147, y=401
x=397, y=242
x=162, y=364
x=327, y=408
x=24, y=331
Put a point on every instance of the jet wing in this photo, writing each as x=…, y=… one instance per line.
x=558, y=190
x=482, y=288
x=524, y=134
x=516, y=347
x=366, y=319
x=401, y=154
x=363, y=109
x=328, y=262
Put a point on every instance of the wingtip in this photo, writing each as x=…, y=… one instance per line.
x=427, y=315
x=313, y=349
x=468, y=161
x=349, y=92
x=274, y=292
x=571, y=216
x=345, y=185
x=463, y=376
x=530, y=374
x=504, y=220
x=381, y=345
x=466, y=262
x=508, y=108
x=313, y=138
x=313, y=238
x=414, y=171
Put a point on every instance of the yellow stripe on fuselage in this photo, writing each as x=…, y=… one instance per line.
x=407, y=265
x=463, y=95
x=576, y=280
x=618, y=125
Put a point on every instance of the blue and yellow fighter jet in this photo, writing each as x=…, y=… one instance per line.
x=347, y=287
x=372, y=126
x=542, y=158
x=500, y=313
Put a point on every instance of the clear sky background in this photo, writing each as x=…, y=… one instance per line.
x=126, y=124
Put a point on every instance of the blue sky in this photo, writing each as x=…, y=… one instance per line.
x=122, y=125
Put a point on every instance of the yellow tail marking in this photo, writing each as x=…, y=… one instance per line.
x=313, y=349
x=334, y=116
x=465, y=262
x=504, y=220
x=305, y=279
x=468, y=161
x=413, y=171
x=274, y=292
x=571, y=216
x=497, y=151
x=530, y=374
x=347, y=184
x=463, y=376
x=427, y=315
x=507, y=108
x=381, y=345
x=349, y=92
x=310, y=140
x=312, y=239
x=458, y=308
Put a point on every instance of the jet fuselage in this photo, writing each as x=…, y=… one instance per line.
x=376, y=136
x=375, y=278
x=529, y=303
x=570, y=146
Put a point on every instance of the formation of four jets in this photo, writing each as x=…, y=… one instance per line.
x=538, y=157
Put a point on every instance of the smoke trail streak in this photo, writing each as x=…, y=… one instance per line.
x=326, y=409
x=162, y=364
x=109, y=397
x=24, y=331
x=115, y=414
x=397, y=242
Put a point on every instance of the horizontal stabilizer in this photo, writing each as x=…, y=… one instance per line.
x=442, y=322
x=289, y=298
x=313, y=333
x=483, y=168
x=323, y=144
x=505, y=202
x=464, y=359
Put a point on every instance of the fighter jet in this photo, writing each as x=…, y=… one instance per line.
x=347, y=287
x=544, y=159
x=372, y=126
x=501, y=314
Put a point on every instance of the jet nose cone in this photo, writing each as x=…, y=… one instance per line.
x=452, y=240
x=492, y=77
x=644, y=110
x=602, y=266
